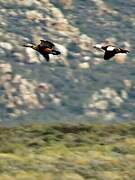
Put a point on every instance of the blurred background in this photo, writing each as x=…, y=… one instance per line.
x=76, y=87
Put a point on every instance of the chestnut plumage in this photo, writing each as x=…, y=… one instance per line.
x=45, y=48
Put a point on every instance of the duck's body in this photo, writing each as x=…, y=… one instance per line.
x=45, y=48
x=110, y=51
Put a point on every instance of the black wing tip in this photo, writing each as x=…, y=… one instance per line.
x=55, y=52
x=127, y=51
x=58, y=52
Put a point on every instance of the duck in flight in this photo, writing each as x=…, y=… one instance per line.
x=110, y=51
x=45, y=48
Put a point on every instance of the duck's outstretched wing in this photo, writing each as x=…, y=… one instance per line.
x=46, y=44
x=46, y=56
x=120, y=50
x=108, y=55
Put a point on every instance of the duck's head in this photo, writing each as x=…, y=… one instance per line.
x=98, y=47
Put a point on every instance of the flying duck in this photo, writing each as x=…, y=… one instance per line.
x=109, y=50
x=45, y=48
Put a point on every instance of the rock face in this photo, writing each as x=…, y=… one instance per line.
x=6, y=46
x=78, y=82
x=32, y=56
x=84, y=65
x=18, y=93
x=67, y=4
x=34, y=15
x=103, y=100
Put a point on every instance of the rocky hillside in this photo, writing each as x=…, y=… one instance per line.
x=77, y=85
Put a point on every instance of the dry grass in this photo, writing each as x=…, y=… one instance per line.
x=67, y=152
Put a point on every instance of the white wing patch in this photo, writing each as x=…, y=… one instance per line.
x=110, y=48
x=98, y=46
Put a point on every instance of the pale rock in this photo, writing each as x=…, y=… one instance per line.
x=120, y=58
x=127, y=45
x=66, y=3
x=108, y=93
x=10, y=105
x=102, y=105
x=2, y=52
x=25, y=2
x=56, y=100
x=4, y=23
x=20, y=57
x=110, y=116
x=25, y=82
x=91, y=113
x=117, y=101
x=85, y=42
x=46, y=1
x=110, y=40
x=31, y=101
x=96, y=96
x=43, y=87
x=127, y=83
x=5, y=68
x=76, y=80
x=33, y=57
x=3, y=10
x=17, y=78
x=13, y=90
x=5, y=77
x=103, y=8
x=98, y=52
x=57, y=13
x=18, y=101
x=86, y=58
x=124, y=94
x=84, y=65
x=6, y=46
x=61, y=25
x=97, y=61
x=16, y=113
x=62, y=49
x=13, y=13
x=17, y=91
x=34, y=15
x=103, y=99
x=7, y=85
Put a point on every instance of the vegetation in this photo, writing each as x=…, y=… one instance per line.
x=68, y=152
